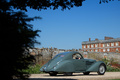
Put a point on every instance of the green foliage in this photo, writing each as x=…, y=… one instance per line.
x=112, y=69
x=106, y=61
x=33, y=69
x=109, y=67
x=44, y=4
x=105, y=1
x=17, y=35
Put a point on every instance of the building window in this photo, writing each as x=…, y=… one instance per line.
x=88, y=46
x=84, y=46
x=91, y=50
x=91, y=45
x=108, y=49
x=116, y=43
x=96, y=45
x=99, y=50
x=108, y=44
x=117, y=50
x=112, y=44
x=103, y=50
x=96, y=50
x=103, y=45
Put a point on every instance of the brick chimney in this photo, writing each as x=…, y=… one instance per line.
x=96, y=39
x=107, y=38
x=89, y=39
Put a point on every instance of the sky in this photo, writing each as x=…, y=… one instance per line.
x=69, y=28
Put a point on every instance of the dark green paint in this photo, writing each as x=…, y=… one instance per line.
x=64, y=62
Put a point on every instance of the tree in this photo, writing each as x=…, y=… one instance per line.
x=44, y=4
x=17, y=35
x=106, y=1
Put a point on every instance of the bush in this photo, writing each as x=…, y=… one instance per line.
x=106, y=61
x=112, y=69
x=34, y=69
x=109, y=67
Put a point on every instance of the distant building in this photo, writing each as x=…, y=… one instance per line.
x=109, y=44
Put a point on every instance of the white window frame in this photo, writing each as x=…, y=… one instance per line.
x=96, y=45
x=92, y=45
x=117, y=49
x=88, y=46
x=108, y=44
x=103, y=50
x=112, y=44
x=84, y=46
x=108, y=49
x=103, y=45
x=91, y=50
x=96, y=50
x=116, y=43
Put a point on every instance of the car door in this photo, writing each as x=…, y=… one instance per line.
x=79, y=63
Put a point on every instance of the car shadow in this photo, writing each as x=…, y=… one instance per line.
x=47, y=77
x=85, y=75
x=50, y=79
x=62, y=75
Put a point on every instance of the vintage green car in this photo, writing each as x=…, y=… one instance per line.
x=73, y=62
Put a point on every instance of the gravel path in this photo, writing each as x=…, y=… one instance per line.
x=77, y=76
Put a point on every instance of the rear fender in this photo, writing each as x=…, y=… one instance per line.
x=65, y=66
x=95, y=66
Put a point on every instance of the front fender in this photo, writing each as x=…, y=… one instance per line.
x=95, y=66
x=65, y=66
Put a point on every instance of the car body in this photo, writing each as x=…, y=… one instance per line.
x=73, y=62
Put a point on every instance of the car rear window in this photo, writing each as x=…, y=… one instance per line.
x=62, y=55
x=59, y=56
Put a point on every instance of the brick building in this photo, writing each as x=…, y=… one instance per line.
x=109, y=44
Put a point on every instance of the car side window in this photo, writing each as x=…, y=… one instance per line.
x=76, y=56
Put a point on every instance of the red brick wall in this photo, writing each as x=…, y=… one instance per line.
x=119, y=50
x=118, y=43
x=100, y=47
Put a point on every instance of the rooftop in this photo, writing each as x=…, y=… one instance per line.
x=101, y=41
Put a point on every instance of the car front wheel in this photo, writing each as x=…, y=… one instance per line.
x=101, y=69
x=53, y=73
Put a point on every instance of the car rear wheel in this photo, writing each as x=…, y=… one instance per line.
x=86, y=73
x=53, y=73
x=101, y=69
x=68, y=74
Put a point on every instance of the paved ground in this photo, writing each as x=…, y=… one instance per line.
x=77, y=76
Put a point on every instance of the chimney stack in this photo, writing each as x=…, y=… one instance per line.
x=89, y=39
x=96, y=39
x=107, y=38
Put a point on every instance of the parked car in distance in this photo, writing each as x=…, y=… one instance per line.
x=73, y=62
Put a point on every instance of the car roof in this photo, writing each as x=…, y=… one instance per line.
x=68, y=54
